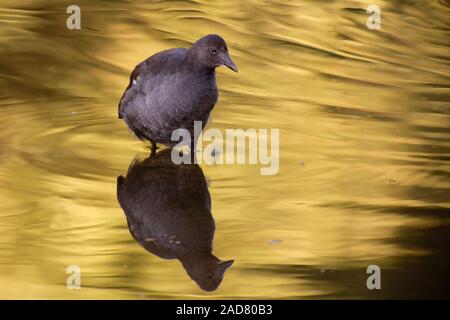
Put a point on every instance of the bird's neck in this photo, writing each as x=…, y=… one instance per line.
x=195, y=65
x=204, y=71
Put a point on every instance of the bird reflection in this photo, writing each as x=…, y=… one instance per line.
x=168, y=209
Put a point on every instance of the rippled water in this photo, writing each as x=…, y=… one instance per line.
x=364, y=148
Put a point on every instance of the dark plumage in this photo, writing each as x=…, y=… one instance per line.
x=174, y=88
x=168, y=209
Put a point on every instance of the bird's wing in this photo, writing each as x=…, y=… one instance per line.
x=161, y=63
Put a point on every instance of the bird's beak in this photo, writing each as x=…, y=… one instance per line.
x=226, y=60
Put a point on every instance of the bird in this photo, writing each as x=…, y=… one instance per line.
x=168, y=211
x=173, y=88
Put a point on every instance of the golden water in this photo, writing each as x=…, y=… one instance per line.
x=364, y=148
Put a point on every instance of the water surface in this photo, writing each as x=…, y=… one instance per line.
x=364, y=173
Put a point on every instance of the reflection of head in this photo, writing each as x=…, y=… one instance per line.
x=207, y=271
x=168, y=212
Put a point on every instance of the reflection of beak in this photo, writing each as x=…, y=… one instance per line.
x=226, y=60
x=224, y=265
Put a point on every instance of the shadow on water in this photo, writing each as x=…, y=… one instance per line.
x=168, y=210
x=412, y=277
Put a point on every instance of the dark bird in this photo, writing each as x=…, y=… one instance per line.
x=174, y=88
x=168, y=210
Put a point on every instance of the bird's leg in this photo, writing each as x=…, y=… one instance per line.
x=193, y=151
x=153, y=148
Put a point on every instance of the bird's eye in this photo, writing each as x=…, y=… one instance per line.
x=214, y=50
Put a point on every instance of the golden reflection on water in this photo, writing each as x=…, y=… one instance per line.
x=364, y=148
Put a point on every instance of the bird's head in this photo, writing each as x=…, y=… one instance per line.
x=212, y=51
